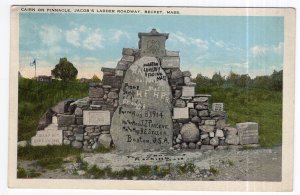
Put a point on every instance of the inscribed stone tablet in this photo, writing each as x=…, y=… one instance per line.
x=180, y=113
x=170, y=62
x=218, y=107
x=143, y=119
x=188, y=91
x=47, y=137
x=248, y=132
x=98, y=117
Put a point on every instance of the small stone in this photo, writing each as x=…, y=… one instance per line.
x=112, y=95
x=232, y=139
x=219, y=133
x=221, y=124
x=193, y=112
x=184, y=145
x=203, y=113
x=231, y=130
x=105, y=140
x=79, y=137
x=180, y=103
x=89, y=129
x=192, y=145
x=210, y=122
x=95, y=146
x=177, y=146
x=76, y=144
x=67, y=142
x=186, y=73
x=189, y=132
x=201, y=107
x=205, y=141
x=176, y=74
x=68, y=133
x=196, y=119
x=22, y=143
x=187, y=80
x=203, y=136
x=214, y=141
x=206, y=128
x=211, y=134
x=176, y=128
x=200, y=99
x=217, y=113
x=105, y=128
x=177, y=94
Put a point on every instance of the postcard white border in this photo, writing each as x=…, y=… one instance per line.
x=288, y=116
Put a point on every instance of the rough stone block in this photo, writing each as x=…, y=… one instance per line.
x=206, y=128
x=65, y=120
x=210, y=122
x=96, y=92
x=189, y=132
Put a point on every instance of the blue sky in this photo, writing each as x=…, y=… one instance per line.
x=207, y=44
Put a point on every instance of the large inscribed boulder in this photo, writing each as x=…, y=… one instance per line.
x=143, y=119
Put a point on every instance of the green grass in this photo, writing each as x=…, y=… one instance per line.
x=255, y=105
x=36, y=97
x=138, y=172
x=22, y=173
x=46, y=152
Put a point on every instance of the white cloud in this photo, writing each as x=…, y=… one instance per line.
x=190, y=41
x=72, y=37
x=260, y=50
x=242, y=65
x=118, y=34
x=85, y=37
x=93, y=40
x=50, y=35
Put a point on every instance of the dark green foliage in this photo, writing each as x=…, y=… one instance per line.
x=187, y=168
x=271, y=82
x=64, y=70
x=263, y=106
x=214, y=170
x=139, y=172
x=36, y=97
x=46, y=152
x=22, y=173
x=51, y=163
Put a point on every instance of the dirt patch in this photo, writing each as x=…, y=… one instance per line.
x=217, y=165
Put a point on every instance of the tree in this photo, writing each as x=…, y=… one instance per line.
x=217, y=79
x=64, y=70
x=277, y=79
x=95, y=78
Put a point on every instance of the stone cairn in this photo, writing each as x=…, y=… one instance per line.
x=86, y=123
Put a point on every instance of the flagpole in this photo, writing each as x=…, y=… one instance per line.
x=35, y=69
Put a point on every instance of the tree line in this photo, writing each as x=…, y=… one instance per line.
x=271, y=82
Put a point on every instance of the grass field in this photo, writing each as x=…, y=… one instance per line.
x=241, y=104
x=36, y=97
x=250, y=104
